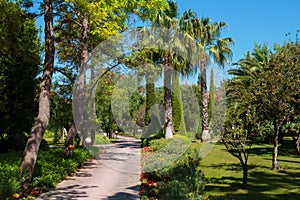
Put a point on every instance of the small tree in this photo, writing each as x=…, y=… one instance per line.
x=238, y=137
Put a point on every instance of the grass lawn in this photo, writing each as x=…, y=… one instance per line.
x=224, y=174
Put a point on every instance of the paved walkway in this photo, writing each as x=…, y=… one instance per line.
x=114, y=174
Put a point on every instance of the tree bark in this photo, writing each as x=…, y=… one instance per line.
x=245, y=175
x=94, y=117
x=80, y=112
x=275, y=164
x=168, y=127
x=298, y=144
x=204, y=100
x=69, y=144
x=42, y=121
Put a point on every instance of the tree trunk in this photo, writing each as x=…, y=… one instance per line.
x=245, y=175
x=168, y=127
x=275, y=164
x=80, y=112
x=69, y=144
x=204, y=100
x=298, y=144
x=42, y=121
x=94, y=117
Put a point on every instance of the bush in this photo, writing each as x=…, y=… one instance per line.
x=146, y=141
x=101, y=139
x=171, y=170
x=51, y=168
x=44, y=146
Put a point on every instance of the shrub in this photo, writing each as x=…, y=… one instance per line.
x=44, y=146
x=146, y=141
x=173, y=165
x=101, y=139
x=51, y=168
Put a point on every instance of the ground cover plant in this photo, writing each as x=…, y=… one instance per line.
x=171, y=170
x=51, y=168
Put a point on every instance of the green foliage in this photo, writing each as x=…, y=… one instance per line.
x=180, y=179
x=103, y=102
x=19, y=66
x=146, y=141
x=211, y=94
x=177, y=107
x=101, y=139
x=191, y=108
x=50, y=169
x=10, y=181
x=44, y=145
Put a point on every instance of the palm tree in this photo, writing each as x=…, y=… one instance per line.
x=208, y=37
x=174, y=53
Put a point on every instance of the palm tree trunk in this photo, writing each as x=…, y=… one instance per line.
x=204, y=100
x=168, y=127
x=42, y=121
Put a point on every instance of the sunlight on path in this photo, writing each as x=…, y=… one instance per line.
x=114, y=174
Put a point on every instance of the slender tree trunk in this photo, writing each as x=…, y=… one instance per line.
x=204, y=100
x=81, y=115
x=168, y=127
x=69, y=144
x=245, y=175
x=94, y=117
x=42, y=121
x=275, y=164
x=298, y=144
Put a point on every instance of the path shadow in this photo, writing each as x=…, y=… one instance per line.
x=72, y=192
x=126, y=195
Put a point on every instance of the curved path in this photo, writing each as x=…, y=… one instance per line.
x=114, y=174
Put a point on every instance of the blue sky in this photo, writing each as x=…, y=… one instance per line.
x=261, y=21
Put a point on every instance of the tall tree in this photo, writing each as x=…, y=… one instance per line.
x=41, y=124
x=177, y=53
x=208, y=36
x=95, y=21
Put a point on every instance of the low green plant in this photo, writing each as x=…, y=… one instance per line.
x=101, y=139
x=51, y=168
x=171, y=170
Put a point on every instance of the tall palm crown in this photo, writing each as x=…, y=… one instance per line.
x=176, y=50
x=207, y=36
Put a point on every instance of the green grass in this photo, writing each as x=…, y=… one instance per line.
x=224, y=174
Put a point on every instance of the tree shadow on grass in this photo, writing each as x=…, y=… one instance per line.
x=262, y=185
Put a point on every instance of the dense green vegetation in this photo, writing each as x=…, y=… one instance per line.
x=257, y=153
x=51, y=168
x=19, y=67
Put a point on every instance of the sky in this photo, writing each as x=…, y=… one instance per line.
x=260, y=21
